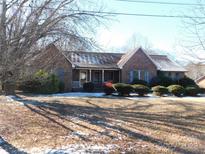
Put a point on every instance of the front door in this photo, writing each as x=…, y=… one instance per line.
x=83, y=77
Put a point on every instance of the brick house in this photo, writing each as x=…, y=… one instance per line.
x=76, y=68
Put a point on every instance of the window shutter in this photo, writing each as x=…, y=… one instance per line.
x=131, y=75
x=139, y=74
x=147, y=76
x=142, y=75
x=135, y=74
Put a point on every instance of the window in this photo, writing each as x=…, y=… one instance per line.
x=137, y=74
x=177, y=75
x=83, y=75
x=140, y=75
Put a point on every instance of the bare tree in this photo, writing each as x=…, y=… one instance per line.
x=25, y=24
x=194, y=32
x=137, y=40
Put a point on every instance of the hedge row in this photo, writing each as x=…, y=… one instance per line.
x=125, y=89
x=166, y=81
x=176, y=90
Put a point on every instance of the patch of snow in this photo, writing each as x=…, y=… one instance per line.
x=1, y=141
x=184, y=98
x=12, y=98
x=82, y=115
x=151, y=96
x=134, y=97
x=78, y=133
x=101, y=122
x=202, y=95
x=76, y=149
x=74, y=119
x=78, y=94
x=2, y=151
x=97, y=95
x=82, y=95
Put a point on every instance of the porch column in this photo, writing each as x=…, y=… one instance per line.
x=103, y=77
x=119, y=80
x=90, y=75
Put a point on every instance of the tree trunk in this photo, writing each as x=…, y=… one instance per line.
x=1, y=88
x=8, y=88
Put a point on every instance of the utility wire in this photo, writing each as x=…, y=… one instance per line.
x=141, y=14
x=160, y=2
x=128, y=14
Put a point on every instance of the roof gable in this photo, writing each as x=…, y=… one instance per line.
x=48, y=58
x=125, y=58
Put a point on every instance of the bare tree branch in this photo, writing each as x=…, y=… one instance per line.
x=24, y=24
x=194, y=29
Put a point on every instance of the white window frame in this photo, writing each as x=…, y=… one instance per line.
x=139, y=74
x=147, y=76
x=86, y=72
x=131, y=76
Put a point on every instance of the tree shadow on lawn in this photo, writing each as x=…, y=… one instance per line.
x=100, y=117
x=9, y=147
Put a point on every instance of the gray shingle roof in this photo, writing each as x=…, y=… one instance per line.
x=163, y=63
x=116, y=60
x=95, y=60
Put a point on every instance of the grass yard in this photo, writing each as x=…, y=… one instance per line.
x=154, y=125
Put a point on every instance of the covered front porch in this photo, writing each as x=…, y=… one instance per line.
x=96, y=76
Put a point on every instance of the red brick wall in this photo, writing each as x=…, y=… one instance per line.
x=139, y=61
x=51, y=60
x=76, y=74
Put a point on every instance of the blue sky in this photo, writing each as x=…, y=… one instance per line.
x=163, y=33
